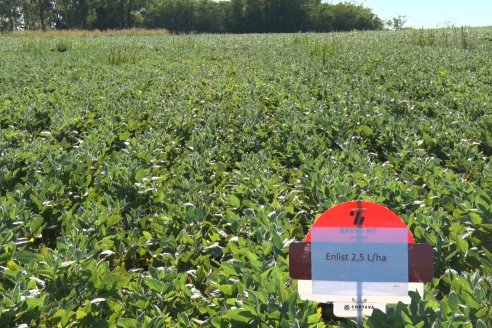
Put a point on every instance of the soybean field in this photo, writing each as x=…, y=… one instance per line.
x=156, y=180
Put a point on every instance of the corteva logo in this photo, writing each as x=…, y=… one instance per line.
x=358, y=307
x=359, y=218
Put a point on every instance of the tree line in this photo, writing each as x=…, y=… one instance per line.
x=212, y=16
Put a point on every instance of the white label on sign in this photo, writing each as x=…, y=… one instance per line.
x=358, y=261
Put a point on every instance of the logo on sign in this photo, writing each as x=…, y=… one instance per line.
x=359, y=218
x=347, y=307
x=363, y=307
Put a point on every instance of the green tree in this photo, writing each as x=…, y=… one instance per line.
x=210, y=16
x=286, y=15
x=349, y=17
x=175, y=15
x=397, y=22
x=239, y=16
x=321, y=18
x=268, y=15
x=44, y=9
x=72, y=13
x=35, y=14
x=116, y=14
x=10, y=15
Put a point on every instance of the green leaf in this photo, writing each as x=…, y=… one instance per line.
x=475, y=218
x=25, y=257
x=123, y=136
x=479, y=293
x=127, y=323
x=80, y=314
x=263, y=297
x=406, y=319
x=428, y=140
x=231, y=268
x=314, y=318
x=227, y=290
x=64, y=316
x=462, y=244
x=217, y=322
x=481, y=313
x=234, y=201
x=481, y=324
x=155, y=284
x=140, y=174
x=453, y=301
x=483, y=201
x=238, y=316
x=147, y=235
x=470, y=302
x=112, y=220
x=35, y=302
x=365, y=131
x=213, y=250
x=284, y=323
x=277, y=241
x=461, y=285
x=36, y=224
x=275, y=315
x=253, y=260
x=487, y=227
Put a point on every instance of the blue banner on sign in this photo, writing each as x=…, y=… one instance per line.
x=369, y=255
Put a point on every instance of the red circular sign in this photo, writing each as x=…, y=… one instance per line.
x=359, y=214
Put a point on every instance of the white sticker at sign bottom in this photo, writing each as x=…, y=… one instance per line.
x=349, y=288
x=305, y=288
x=352, y=310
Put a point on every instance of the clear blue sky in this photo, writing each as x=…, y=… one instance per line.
x=432, y=13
